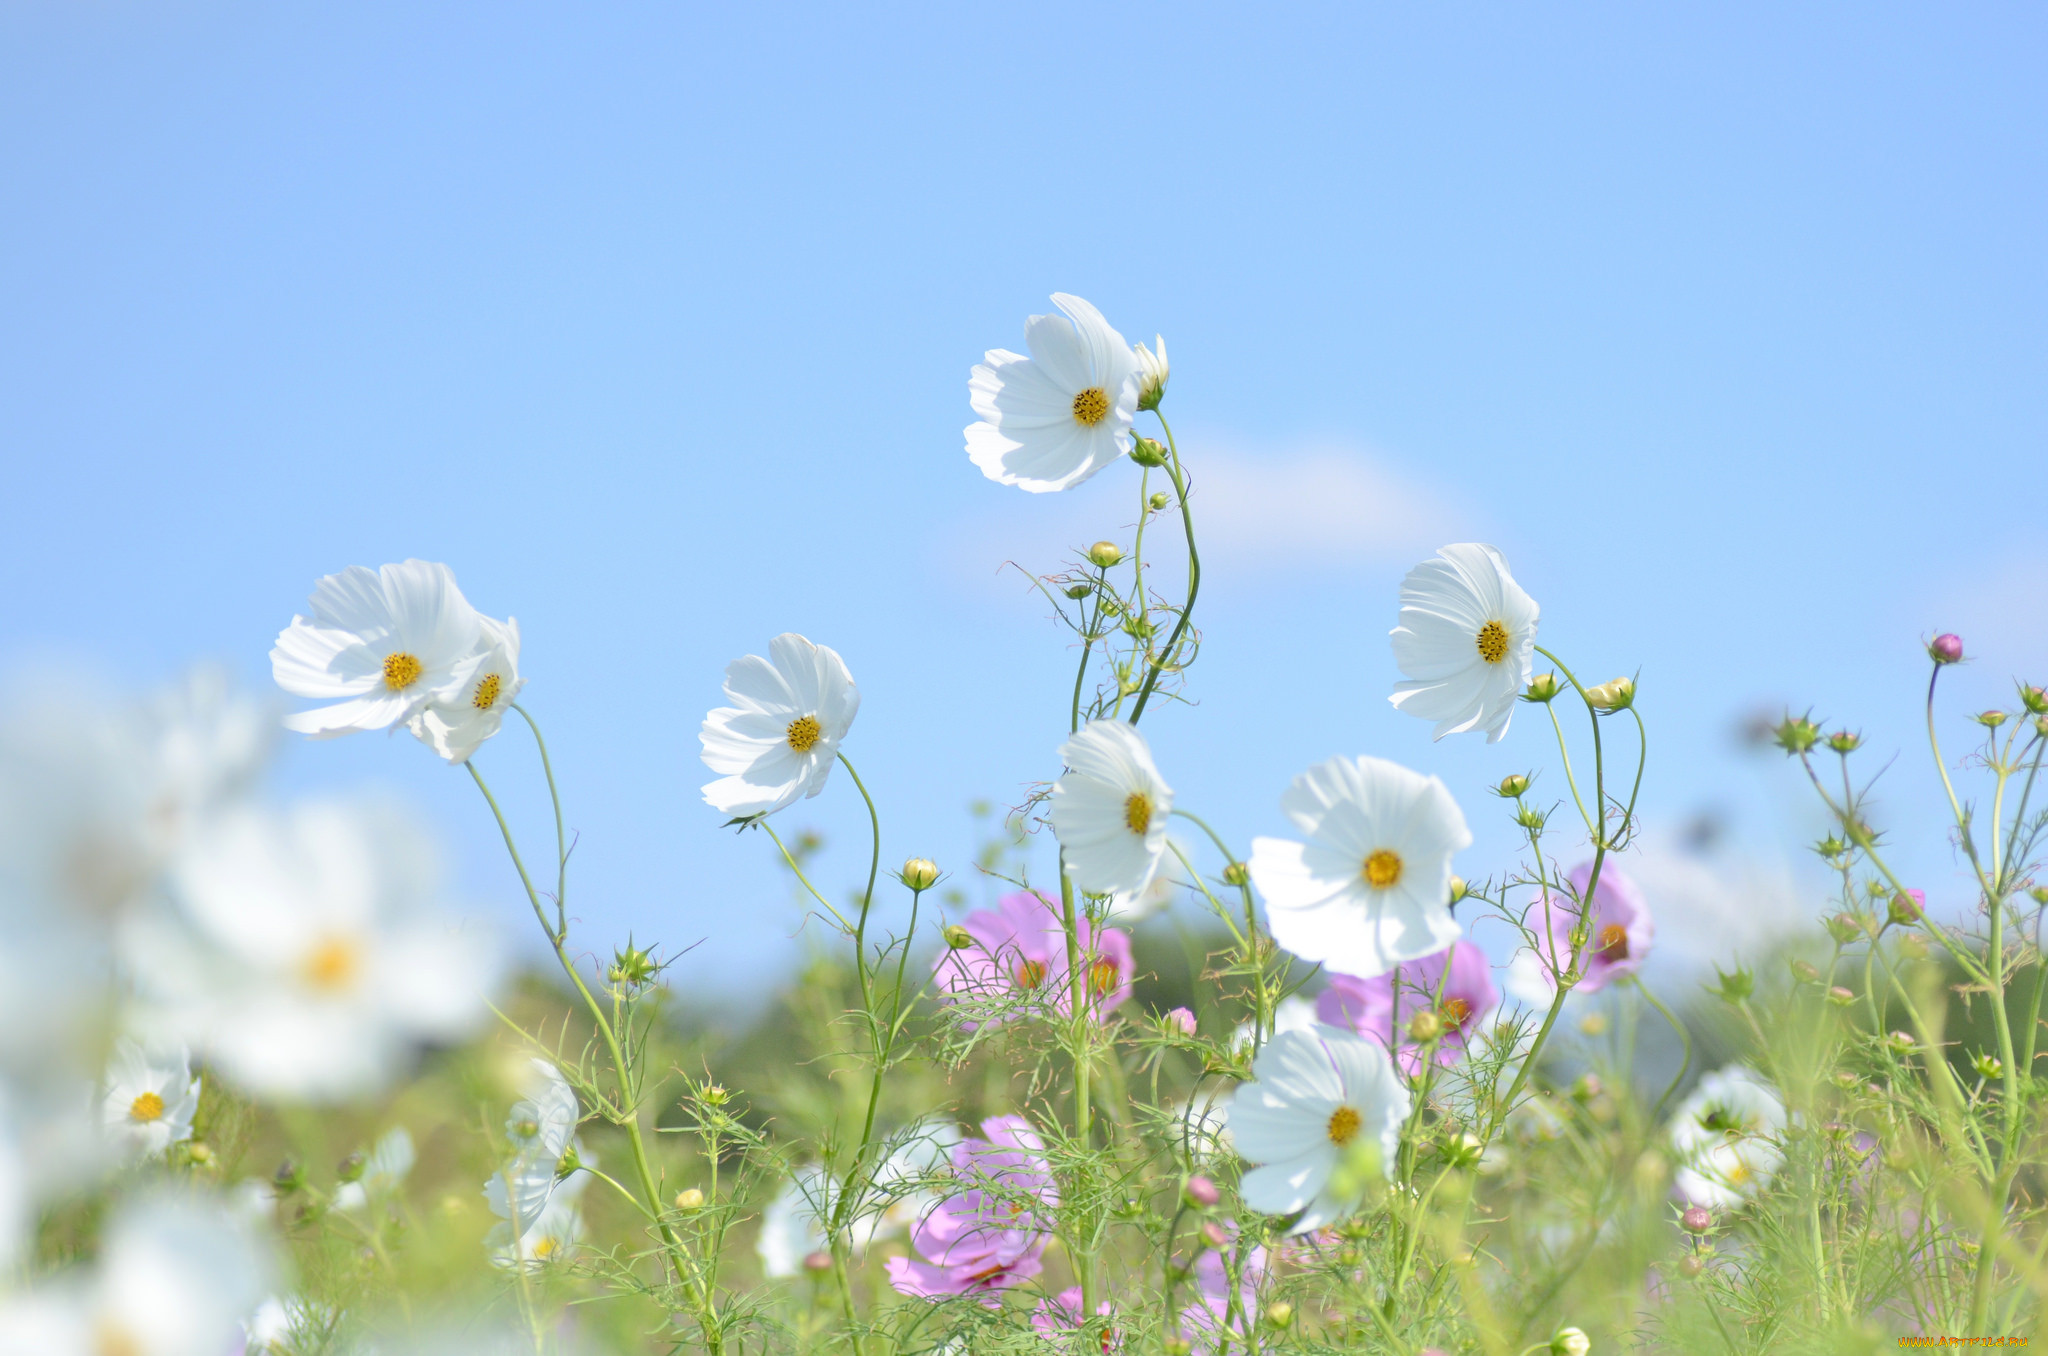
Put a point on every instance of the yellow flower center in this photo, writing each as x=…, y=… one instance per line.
x=113, y=1340
x=1455, y=1012
x=1103, y=977
x=487, y=689
x=1138, y=813
x=332, y=966
x=1493, y=642
x=804, y=732
x=1382, y=868
x=148, y=1107
x=1738, y=1173
x=546, y=1248
x=1090, y=406
x=1614, y=943
x=402, y=670
x=1344, y=1123
x=1030, y=974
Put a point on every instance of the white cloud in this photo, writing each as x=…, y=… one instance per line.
x=1257, y=511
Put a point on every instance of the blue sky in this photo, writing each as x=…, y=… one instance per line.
x=1725, y=322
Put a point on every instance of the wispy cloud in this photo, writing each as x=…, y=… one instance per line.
x=1258, y=512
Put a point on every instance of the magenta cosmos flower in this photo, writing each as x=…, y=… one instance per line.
x=989, y=1237
x=1621, y=933
x=1020, y=947
x=1384, y=1007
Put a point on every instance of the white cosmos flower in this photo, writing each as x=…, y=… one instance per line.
x=455, y=726
x=1292, y=1013
x=541, y=1127
x=1152, y=374
x=303, y=955
x=1467, y=631
x=175, y=1276
x=1109, y=810
x=777, y=743
x=550, y=1235
x=385, y=642
x=1054, y=419
x=793, y=1224
x=149, y=1098
x=1726, y=1133
x=1319, y=1100
x=385, y=1169
x=1371, y=887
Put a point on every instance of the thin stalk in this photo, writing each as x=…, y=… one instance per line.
x=1084, y=1257
x=1187, y=519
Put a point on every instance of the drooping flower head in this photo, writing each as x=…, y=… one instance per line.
x=1110, y=809
x=1726, y=1135
x=1618, y=938
x=1384, y=1007
x=302, y=953
x=777, y=743
x=385, y=642
x=1054, y=419
x=1371, y=887
x=455, y=726
x=990, y=1236
x=1319, y=1100
x=1465, y=636
x=149, y=1098
x=1020, y=946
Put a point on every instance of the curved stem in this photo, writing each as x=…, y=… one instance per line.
x=561, y=836
x=1187, y=520
x=1685, y=1066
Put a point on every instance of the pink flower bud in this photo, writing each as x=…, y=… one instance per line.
x=1947, y=648
x=1214, y=1236
x=1181, y=1020
x=1908, y=906
x=1201, y=1191
x=818, y=1261
x=1696, y=1220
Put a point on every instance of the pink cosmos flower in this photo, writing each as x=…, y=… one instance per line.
x=1621, y=934
x=1368, y=1006
x=1058, y=1319
x=1020, y=946
x=1205, y=1323
x=989, y=1237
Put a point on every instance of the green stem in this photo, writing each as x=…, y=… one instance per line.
x=1187, y=519
x=1077, y=980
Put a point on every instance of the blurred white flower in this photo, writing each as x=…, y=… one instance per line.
x=1322, y=1115
x=778, y=743
x=541, y=1127
x=1464, y=640
x=149, y=1098
x=1109, y=810
x=1054, y=419
x=1292, y=1013
x=285, y=1324
x=385, y=1169
x=175, y=1276
x=455, y=726
x=385, y=642
x=303, y=956
x=550, y=1235
x=792, y=1225
x=1726, y=1135
x=1371, y=888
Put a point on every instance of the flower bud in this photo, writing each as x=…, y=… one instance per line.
x=1593, y=1024
x=1796, y=734
x=1104, y=554
x=525, y=1128
x=1990, y=1066
x=1805, y=972
x=958, y=938
x=1459, y=889
x=1513, y=786
x=1159, y=500
x=1570, y=1342
x=1153, y=372
x=1845, y=741
x=1201, y=1192
x=1425, y=1026
x=817, y=1263
x=1213, y=1234
x=1237, y=873
x=1736, y=985
x=1177, y=1346
x=1946, y=648
x=1587, y=1088
x=2034, y=699
x=1147, y=452
x=631, y=966
x=1179, y=1020
x=1990, y=720
x=1691, y=1265
x=920, y=873
x=689, y=1198
x=1079, y=591
x=1542, y=688
x=714, y=1095
x=1908, y=907
x=1844, y=927
x=1696, y=1220
x=350, y=1169
x=287, y=1178
x=569, y=1162
x=199, y=1152
x=1280, y=1314
x=1616, y=694
x=1840, y=996
x=1900, y=1042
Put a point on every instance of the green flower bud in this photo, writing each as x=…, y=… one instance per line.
x=1459, y=889
x=1840, y=996
x=2034, y=699
x=920, y=873
x=1616, y=694
x=1805, y=972
x=632, y=967
x=1280, y=1314
x=1104, y=554
x=1735, y=986
x=1237, y=873
x=1844, y=928
x=1570, y=1342
x=1159, y=500
x=1907, y=908
x=1990, y=720
x=1425, y=1026
x=1845, y=741
x=714, y=1095
x=1147, y=452
x=350, y=1169
x=1079, y=591
x=1796, y=734
x=1542, y=688
x=689, y=1199
x=287, y=1178
x=1990, y=1066
x=1900, y=1042
x=1513, y=786
x=958, y=938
